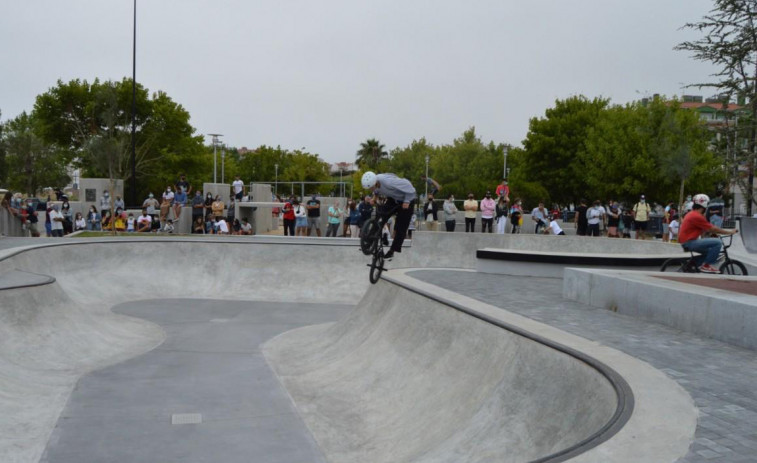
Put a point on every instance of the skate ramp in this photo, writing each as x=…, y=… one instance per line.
x=748, y=232
x=406, y=378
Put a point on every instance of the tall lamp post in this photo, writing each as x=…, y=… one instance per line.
x=341, y=183
x=504, y=170
x=215, y=154
x=276, y=184
x=133, y=199
x=427, y=176
x=223, y=163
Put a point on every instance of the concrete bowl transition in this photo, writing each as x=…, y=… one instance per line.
x=411, y=375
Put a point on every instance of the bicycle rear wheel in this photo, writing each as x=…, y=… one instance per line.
x=369, y=236
x=733, y=267
x=377, y=266
x=680, y=265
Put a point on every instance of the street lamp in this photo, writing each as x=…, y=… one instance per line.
x=504, y=171
x=341, y=184
x=215, y=155
x=133, y=199
x=427, y=175
x=276, y=185
x=223, y=163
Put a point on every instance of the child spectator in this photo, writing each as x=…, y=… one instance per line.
x=130, y=223
x=673, y=229
x=246, y=227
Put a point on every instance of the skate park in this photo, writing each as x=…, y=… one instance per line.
x=122, y=349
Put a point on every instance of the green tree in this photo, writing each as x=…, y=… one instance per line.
x=371, y=154
x=554, y=148
x=730, y=43
x=32, y=163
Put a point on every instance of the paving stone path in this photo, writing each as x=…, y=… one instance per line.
x=722, y=379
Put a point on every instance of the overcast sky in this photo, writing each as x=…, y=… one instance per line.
x=326, y=75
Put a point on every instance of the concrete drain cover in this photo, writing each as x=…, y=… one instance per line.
x=186, y=418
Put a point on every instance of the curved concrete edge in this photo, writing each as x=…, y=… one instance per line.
x=17, y=279
x=662, y=425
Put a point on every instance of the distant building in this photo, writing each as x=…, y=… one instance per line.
x=344, y=167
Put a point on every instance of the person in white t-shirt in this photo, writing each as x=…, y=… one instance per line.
x=554, y=227
x=221, y=226
x=238, y=186
x=675, y=224
x=56, y=221
x=131, y=223
x=595, y=216
x=144, y=222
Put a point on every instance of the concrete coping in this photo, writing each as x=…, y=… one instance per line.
x=576, y=258
x=652, y=409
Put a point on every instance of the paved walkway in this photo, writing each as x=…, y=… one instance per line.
x=720, y=378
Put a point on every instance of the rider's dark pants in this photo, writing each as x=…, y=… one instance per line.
x=708, y=247
x=400, y=225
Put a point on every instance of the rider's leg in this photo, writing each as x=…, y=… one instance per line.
x=400, y=226
x=708, y=247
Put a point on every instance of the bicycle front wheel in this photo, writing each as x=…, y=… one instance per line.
x=377, y=266
x=733, y=267
x=369, y=236
x=675, y=265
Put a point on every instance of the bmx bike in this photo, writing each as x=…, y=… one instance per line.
x=688, y=264
x=371, y=242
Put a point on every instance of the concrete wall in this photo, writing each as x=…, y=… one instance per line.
x=10, y=225
x=97, y=186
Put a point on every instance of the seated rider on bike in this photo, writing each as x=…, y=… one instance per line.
x=693, y=226
x=396, y=190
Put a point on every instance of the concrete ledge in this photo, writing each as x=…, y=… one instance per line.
x=15, y=279
x=723, y=315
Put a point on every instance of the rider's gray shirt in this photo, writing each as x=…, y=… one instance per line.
x=399, y=189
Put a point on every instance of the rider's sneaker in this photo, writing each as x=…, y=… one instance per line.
x=389, y=254
x=707, y=268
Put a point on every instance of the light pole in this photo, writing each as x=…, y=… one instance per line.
x=341, y=184
x=223, y=163
x=276, y=184
x=133, y=199
x=504, y=171
x=427, y=176
x=215, y=155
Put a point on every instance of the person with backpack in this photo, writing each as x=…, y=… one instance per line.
x=641, y=211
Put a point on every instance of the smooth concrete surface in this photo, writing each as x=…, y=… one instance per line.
x=209, y=365
x=723, y=315
x=748, y=232
x=407, y=378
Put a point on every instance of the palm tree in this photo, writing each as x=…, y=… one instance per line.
x=370, y=154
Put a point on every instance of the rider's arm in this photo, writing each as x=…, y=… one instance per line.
x=721, y=231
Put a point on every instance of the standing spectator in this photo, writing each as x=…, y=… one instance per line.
x=183, y=186
x=715, y=210
x=276, y=211
x=503, y=191
x=501, y=211
x=68, y=217
x=411, y=226
x=179, y=201
x=687, y=205
x=238, y=187
x=488, y=208
x=450, y=212
x=144, y=222
x=613, y=221
x=105, y=202
x=641, y=211
x=209, y=207
x=301, y=217
x=56, y=222
x=246, y=228
x=626, y=218
x=94, y=219
x=594, y=216
x=314, y=215
x=366, y=210
x=165, y=205
x=430, y=212
x=231, y=212
x=48, y=223
x=9, y=203
x=151, y=205
x=32, y=218
x=355, y=217
x=433, y=185
x=217, y=207
x=470, y=206
x=539, y=215
x=516, y=216
x=335, y=217
x=198, y=207
x=119, y=203
x=582, y=224
x=79, y=222
x=289, y=218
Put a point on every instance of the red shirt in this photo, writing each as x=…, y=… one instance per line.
x=693, y=225
x=288, y=211
x=502, y=190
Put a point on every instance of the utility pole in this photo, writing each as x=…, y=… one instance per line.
x=133, y=198
x=215, y=155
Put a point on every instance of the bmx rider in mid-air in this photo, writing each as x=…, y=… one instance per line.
x=396, y=190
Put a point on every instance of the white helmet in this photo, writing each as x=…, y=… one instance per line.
x=702, y=200
x=368, y=180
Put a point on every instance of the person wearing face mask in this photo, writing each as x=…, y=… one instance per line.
x=151, y=204
x=470, y=206
x=450, y=212
x=501, y=212
x=119, y=203
x=105, y=202
x=488, y=208
x=539, y=215
x=209, y=207
x=430, y=213
x=688, y=205
x=641, y=211
x=56, y=222
x=94, y=220
x=165, y=205
x=516, y=216
x=68, y=217
x=594, y=216
x=198, y=207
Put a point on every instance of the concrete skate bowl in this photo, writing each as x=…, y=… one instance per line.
x=748, y=228
x=56, y=323
x=407, y=378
